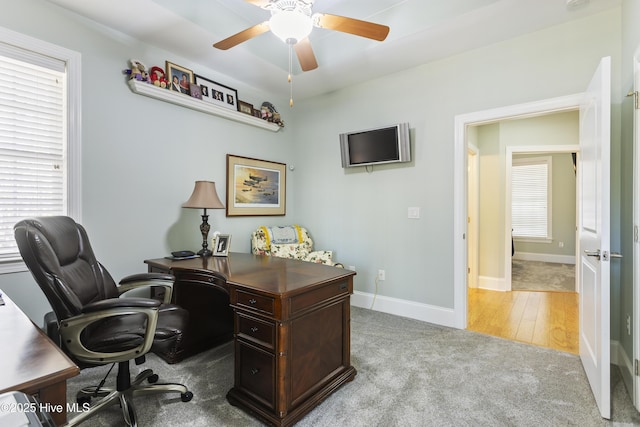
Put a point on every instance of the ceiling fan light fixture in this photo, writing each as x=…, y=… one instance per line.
x=290, y=26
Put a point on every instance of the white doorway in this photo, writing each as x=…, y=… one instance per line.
x=462, y=123
x=594, y=221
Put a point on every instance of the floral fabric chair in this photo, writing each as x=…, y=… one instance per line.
x=288, y=242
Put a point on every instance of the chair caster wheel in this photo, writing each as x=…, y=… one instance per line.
x=185, y=397
x=153, y=379
x=83, y=399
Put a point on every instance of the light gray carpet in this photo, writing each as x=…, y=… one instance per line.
x=410, y=373
x=542, y=276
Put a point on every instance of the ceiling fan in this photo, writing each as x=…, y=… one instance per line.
x=293, y=20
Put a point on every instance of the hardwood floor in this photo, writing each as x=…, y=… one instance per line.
x=546, y=319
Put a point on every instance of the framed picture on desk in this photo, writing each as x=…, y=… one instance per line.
x=221, y=245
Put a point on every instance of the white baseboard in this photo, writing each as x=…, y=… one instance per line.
x=619, y=357
x=559, y=259
x=399, y=307
x=492, y=283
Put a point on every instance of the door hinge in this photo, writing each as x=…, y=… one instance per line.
x=635, y=367
x=635, y=233
x=636, y=101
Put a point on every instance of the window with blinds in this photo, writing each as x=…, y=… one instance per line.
x=531, y=198
x=34, y=138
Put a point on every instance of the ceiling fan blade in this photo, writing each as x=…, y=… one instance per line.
x=352, y=26
x=242, y=36
x=305, y=55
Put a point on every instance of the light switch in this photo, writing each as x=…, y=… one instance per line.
x=413, y=213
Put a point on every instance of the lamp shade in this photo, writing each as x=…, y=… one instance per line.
x=204, y=196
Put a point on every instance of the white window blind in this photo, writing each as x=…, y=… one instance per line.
x=33, y=170
x=531, y=197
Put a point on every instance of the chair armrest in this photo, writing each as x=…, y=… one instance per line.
x=71, y=328
x=110, y=303
x=143, y=280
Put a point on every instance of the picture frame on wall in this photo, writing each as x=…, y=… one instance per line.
x=255, y=187
x=180, y=78
x=221, y=245
x=216, y=93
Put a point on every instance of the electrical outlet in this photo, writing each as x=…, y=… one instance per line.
x=381, y=275
x=561, y=244
x=352, y=267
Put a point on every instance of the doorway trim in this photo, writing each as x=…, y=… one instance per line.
x=460, y=190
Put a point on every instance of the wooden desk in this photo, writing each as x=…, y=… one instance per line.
x=291, y=331
x=31, y=362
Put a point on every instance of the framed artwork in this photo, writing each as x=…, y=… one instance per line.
x=255, y=187
x=216, y=93
x=221, y=245
x=180, y=78
x=245, y=107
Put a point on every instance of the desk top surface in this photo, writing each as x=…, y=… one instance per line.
x=271, y=275
x=29, y=358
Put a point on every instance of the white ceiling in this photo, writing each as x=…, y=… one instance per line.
x=421, y=31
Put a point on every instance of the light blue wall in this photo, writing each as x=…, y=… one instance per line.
x=363, y=216
x=141, y=156
x=630, y=44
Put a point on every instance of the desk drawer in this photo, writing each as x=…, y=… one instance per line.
x=256, y=373
x=319, y=295
x=255, y=302
x=204, y=278
x=259, y=331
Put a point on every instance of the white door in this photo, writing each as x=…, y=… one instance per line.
x=593, y=230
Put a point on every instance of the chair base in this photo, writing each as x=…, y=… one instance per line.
x=125, y=393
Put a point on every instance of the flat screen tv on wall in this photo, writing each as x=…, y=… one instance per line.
x=388, y=144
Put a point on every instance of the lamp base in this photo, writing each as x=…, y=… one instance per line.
x=205, y=252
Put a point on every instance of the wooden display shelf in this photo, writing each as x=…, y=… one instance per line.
x=146, y=89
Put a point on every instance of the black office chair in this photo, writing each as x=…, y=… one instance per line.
x=95, y=325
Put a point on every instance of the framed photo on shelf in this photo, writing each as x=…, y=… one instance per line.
x=180, y=78
x=221, y=245
x=217, y=94
x=255, y=187
x=245, y=107
x=195, y=91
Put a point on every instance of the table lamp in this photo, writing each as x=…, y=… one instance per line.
x=205, y=197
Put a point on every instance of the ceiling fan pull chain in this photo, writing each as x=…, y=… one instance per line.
x=290, y=79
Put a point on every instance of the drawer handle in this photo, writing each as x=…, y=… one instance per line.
x=254, y=371
x=252, y=301
x=254, y=329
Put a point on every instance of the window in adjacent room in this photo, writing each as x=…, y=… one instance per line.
x=531, y=198
x=39, y=136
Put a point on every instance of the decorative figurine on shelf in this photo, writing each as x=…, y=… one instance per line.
x=270, y=114
x=158, y=77
x=137, y=71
